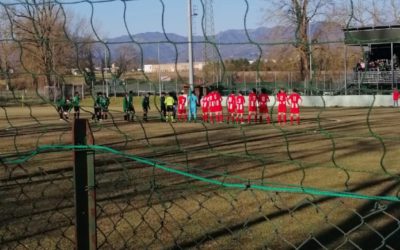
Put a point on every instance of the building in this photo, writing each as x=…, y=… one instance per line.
x=379, y=69
x=172, y=67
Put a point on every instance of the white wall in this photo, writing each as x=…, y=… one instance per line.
x=348, y=101
x=338, y=101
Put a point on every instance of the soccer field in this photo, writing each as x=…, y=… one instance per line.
x=331, y=182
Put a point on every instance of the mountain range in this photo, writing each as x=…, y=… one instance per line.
x=231, y=44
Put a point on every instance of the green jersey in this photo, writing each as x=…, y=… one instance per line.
x=127, y=104
x=75, y=101
x=104, y=102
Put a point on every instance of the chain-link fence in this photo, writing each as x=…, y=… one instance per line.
x=107, y=182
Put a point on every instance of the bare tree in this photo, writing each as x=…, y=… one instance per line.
x=298, y=14
x=39, y=27
x=127, y=58
x=6, y=49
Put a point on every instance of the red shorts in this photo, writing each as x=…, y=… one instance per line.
x=218, y=108
x=213, y=109
x=231, y=111
x=263, y=109
x=181, y=111
x=282, y=108
x=252, y=108
x=295, y=111
x=204, y=110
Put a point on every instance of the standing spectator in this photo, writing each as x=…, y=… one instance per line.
x=193, y=100
x=75, y=105
x=294, y=101
x=281, y=98
x=395, y=97
x=263, y=99
x=163, y=107
x=231, y=106
x=182, y=107
x=252, y=106
x=146, y=106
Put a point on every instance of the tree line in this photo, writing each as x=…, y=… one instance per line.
x=42, y=39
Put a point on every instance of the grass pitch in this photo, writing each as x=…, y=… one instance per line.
x=141, y=206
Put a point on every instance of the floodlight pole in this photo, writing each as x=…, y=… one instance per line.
x=310, y=48
x=190, y=45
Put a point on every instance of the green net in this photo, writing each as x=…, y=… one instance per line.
x=330, y=182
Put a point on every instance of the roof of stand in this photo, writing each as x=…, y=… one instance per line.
x=372, y=35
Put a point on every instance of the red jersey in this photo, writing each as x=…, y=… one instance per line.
x=281, y=98
x=252, y=102
x=294, y=100
x=218, y=102
x=395, y=95
x=231, y=103
x=181, y=103
x=204, y=103
x=240, y=104
x=262, y=103
x=215, y=102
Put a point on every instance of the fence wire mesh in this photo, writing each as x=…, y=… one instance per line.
x=331, y=182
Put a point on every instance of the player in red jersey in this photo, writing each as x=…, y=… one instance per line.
x=215, y=106
x=231, y=106
x=205, y=104
x=211, y=106
x=182, y=107
x=395, y=96
x=263, y=99
x=294, y=101
x=218, y=107
x=252, y=106
x=240, y=101
x=281, y=99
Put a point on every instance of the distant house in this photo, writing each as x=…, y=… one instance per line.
x=172, y=67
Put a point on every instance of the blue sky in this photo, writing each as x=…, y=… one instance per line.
x=146, y=15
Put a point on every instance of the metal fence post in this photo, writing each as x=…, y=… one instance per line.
x=84, y=184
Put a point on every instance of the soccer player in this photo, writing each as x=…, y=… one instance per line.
x=240, y=101
x=263, y=99
x=182, y=107
x=205, y=107
x=169, y=103
x=104, y=103
x=173, y=94
x=294, y=100
x=128, y=108
x=75, y=105
x=193, y=101
x=281, y=98
x=218, y=107
x=252, y=106
x=163, y=107
x=231, y=106
x=395, y=97
x=61, y=103
x=215, y=106
x=97, y=107
x=146, y=106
